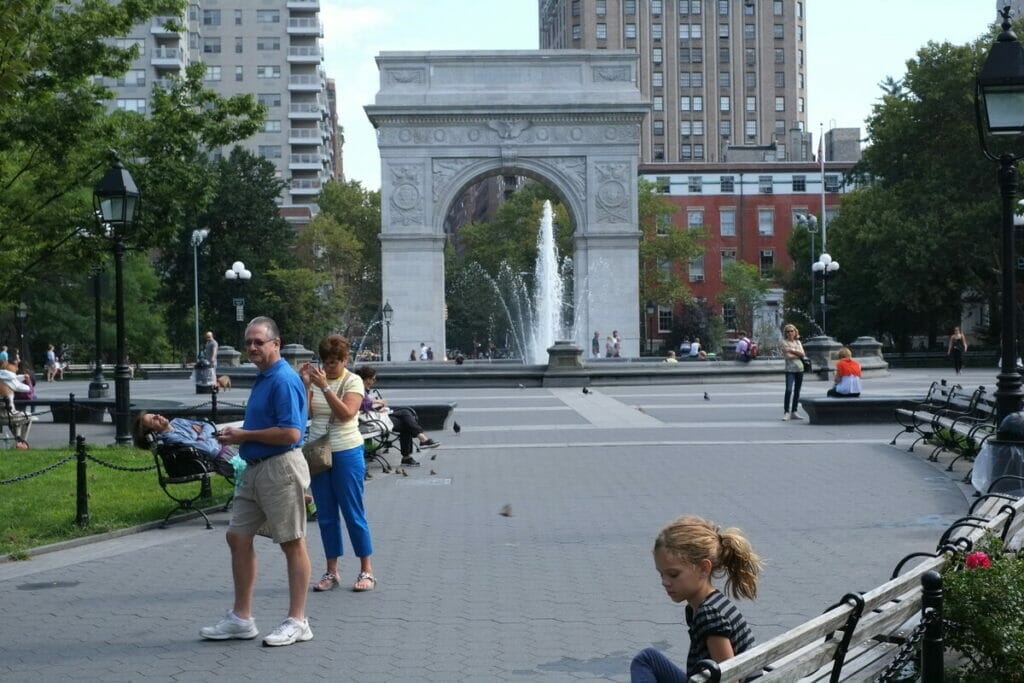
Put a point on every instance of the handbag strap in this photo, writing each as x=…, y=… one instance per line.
x=340, y=392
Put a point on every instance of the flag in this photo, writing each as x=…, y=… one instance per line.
x=821, y=157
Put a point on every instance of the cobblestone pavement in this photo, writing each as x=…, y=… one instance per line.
x=562, y=589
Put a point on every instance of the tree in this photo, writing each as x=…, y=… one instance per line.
x=744, y=288
x=665, y=251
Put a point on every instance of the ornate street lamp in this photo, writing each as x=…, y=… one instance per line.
x=197, y=238
x=999, y=109
x=238, y=273
x=651, y=308
x=116, y=198
x=22, y=313
x=825, y=267
x=387, y=312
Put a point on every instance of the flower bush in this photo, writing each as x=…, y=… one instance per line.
x=984, y=612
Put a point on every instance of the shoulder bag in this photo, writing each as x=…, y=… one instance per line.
x=318, y=451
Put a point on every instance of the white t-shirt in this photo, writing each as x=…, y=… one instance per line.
x=344, y=433
x=694, y=348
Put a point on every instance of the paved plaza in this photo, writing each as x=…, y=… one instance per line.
x=562, y=589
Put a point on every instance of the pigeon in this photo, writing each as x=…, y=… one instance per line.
x=706, y=397
x=456, y=427
x=586, y=391
x=520, y=385
x=433, y=472
x=434, y=456
x=404, y=473
x=506, y=510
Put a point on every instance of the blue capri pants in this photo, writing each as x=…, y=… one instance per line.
x=340, y=490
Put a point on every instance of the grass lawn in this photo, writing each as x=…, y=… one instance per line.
x=42, y=509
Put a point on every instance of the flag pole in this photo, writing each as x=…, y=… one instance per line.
x=821, y=160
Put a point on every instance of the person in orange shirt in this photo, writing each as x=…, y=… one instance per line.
x=847, y=376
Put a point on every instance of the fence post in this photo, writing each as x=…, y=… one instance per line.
x=932, y=670
x=213, y=404
x=82, y=514
x=72, y=424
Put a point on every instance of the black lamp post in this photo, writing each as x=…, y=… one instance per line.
x=22, y=313
x=116, y=198
x=651, y=308
x=387, y=312
x=810, y=221
x=240, y=274
x=825, y=267
x=999, y=108
x=97, y=387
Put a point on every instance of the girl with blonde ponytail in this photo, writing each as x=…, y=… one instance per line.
x=688, y=553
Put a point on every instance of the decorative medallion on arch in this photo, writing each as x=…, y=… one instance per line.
x=571, y=120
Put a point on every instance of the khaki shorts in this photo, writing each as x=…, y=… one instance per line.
x=271, y=500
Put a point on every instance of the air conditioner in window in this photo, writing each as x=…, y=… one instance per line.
x=696, y=278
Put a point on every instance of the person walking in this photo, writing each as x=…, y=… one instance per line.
x=51, y=363
x=687, y=553
x=210, y=351
x=595, y=345
x=271, y=496
x=956, y=348
x=793, y=352
x=335, y=396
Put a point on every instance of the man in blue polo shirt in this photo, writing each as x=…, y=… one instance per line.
x=270, y=498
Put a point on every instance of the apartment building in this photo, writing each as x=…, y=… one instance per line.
x=271, y=51
x=720, y=74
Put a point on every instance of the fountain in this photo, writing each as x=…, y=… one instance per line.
x=547, y=324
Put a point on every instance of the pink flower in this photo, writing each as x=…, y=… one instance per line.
x=978, y=560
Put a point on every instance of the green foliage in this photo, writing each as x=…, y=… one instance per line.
x=42, y=510
x=743, y=285
x=665, y=250
x=984, y=611
x=698, y=319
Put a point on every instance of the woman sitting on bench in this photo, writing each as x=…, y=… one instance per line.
x=404, y=419
x=200, y=436
x=847, y=376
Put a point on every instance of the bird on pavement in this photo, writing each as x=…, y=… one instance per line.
x=506, y=510
x=586, y=391
x=520, y=386
x=456, y=427
x=433, y=472
x=706, y=397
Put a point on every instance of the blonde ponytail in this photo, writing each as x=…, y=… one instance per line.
x=695, y=539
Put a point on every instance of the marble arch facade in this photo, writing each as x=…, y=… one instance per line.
x=568, y=118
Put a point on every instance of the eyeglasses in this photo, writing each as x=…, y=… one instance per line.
x=258, y=343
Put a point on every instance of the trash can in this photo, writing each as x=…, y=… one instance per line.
x=205, y=380
x=1002, y=456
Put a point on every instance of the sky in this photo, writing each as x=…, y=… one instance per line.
x=852, y=45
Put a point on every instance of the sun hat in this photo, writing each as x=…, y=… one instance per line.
x=11, y=380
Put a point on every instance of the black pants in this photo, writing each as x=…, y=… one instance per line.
x=835, y=394
x=407, y=425
x=958, y=360
x=794, y=380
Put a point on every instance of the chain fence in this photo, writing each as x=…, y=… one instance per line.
x=31, y=475
x=119, y=468
x=904, y=666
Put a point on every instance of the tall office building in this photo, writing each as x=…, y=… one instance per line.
x=726, y=78
x=272, y=52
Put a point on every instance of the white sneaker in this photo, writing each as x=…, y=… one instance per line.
x=795, y=415
x=290, y=631
x=231, y=627
x=785, y=417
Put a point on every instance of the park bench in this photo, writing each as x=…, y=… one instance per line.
x=184, y=475
x=858, y=638
x=964, y=428
x=918, y=417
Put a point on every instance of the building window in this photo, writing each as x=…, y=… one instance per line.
x=724, y=80
x=685, y=128
x=695, y=184
x=751, y=129
x=750, y=79
x=576, y=8
x=132, y=77
x=684, y=103
x=663, y=224
x=658, y=79
x=270, y=151
x=212, y=73
x=727, y=184
x=659, y=127
x=696, y=268
x=780, y=126
x=665, y=320
x=723, y=55
x=602, y=32
x=698, y=127
x=268, y=16
x=764, y=184
x=800, y=10
x=748, y=32
x=239, y=73
x=729, y=315
x=832, y=182
x=131, y=104
x=659, y=152
x=723, y=8
x=211, y=46
x=749, y=56
x=727, y=221
x=684, y=55
x=656, y=7
x=629, y=7
x=723, y=30
x=684, y=31
x=657, y=31
x=684, y=7
x=695, y=31
x=238, y=17
x=766, y=221
x=801, y=77
x=780, y=56
x=800, y=104
x=780, y=79
x=800, y=53
x=728, y=255
x=656, y=57
x=799, y=183
x=268, y=43
x=698, y=151
x=780, y=104
x=778, y=32
x=725, y=128
x=576, y=32
x=780, y=151
x=664, y=184
x=630, y=31
x=777, y=7
x=751, y=103
x=694, y=218
x=723, y=103
x=697, y=79
x=696, y=55
x=238, y=45
x=602, y=7
x=271, y=126
x=800, y=33
x=269, y=99
x=698, y=103
x=684, y=79
x=767, y=263
x=658, y=102
x=695, y=7
x=211, y=17
x=685, y=152
x=268, y=72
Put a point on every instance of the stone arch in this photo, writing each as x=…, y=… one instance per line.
x=568, y=119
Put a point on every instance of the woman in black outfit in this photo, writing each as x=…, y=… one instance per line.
x=957, y=346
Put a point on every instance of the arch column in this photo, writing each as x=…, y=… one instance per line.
x=412, y=280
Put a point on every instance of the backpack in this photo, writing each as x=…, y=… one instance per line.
x=752, y=349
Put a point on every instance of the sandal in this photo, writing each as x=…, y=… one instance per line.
x=327, y=582
x=364, y=576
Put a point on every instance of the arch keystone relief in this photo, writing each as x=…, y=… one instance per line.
x=446, y=120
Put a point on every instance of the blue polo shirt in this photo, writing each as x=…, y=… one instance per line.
x=278, y=399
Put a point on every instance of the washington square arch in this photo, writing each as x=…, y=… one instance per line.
x=568, y=118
